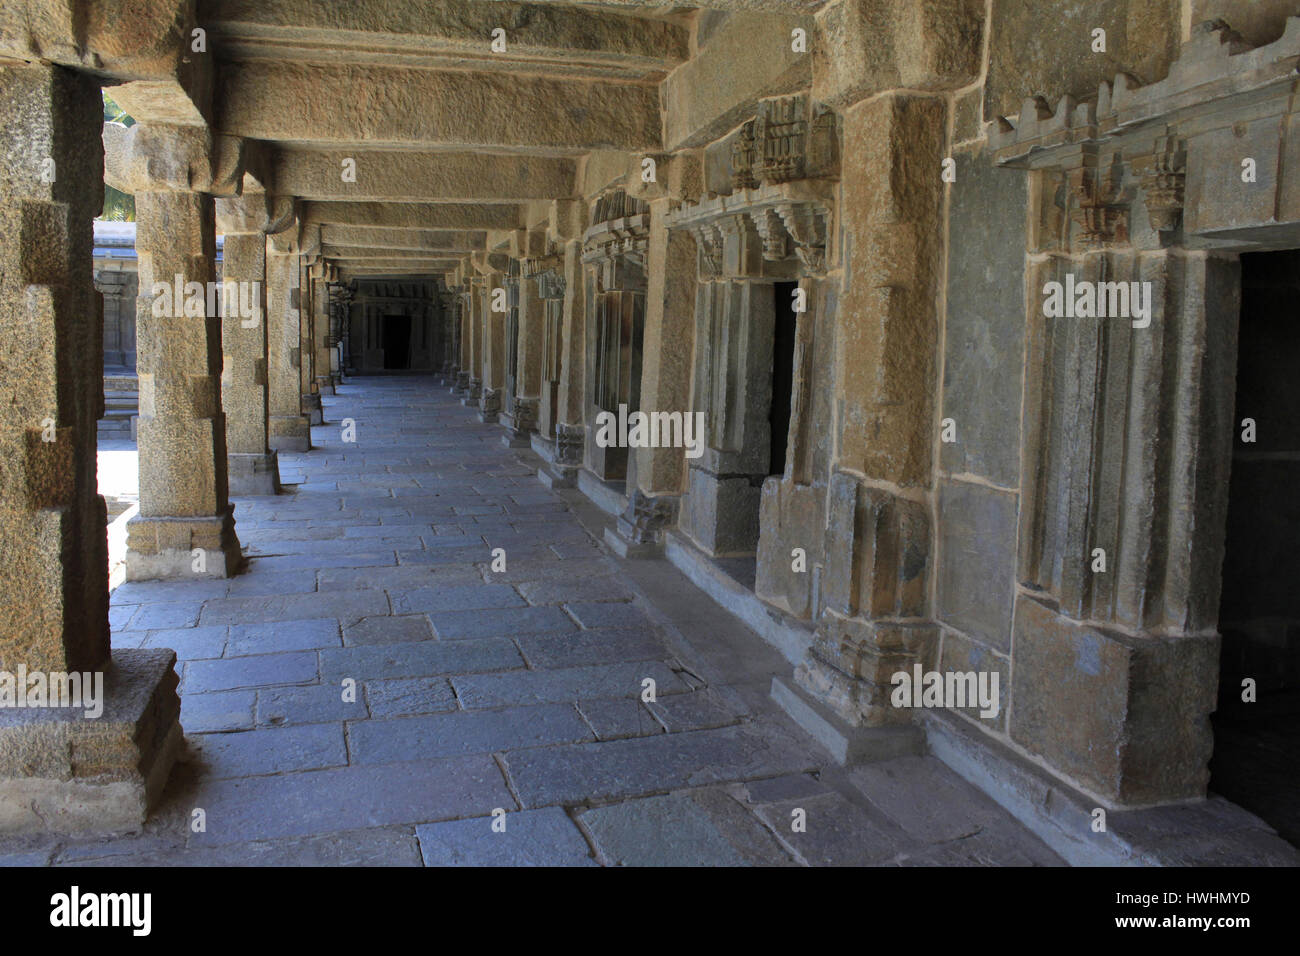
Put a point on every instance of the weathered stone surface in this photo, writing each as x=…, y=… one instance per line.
x=984, y=329
x=790, y=517
x=869, y=46
x=715, y=91
x=578, y=772
x=461, y=625
x=975, y=592
x=54, y=579
x=419, y=659
x=319, y=801
x=1139, y=730
x=282, y=101
x=699, y=828
x=606, y=645
x=315, y=704
x=1026, y=59
x=61, y=771
x=260, y=752
x=293, y=668
x=564, y=684
x=531, y=838
x=409, y=696
x=282, y=636
x=887, y=316
x=454, y=734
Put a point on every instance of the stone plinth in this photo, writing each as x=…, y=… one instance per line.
x=64, y=772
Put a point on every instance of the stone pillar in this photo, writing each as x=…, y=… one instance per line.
x=494, y=351
x=570, y=428
x=320, y=303
x=306, y=348
x=474, y=338
x=60, y=769
x=252, y=465
x=875, y=586
x=665, y=384
x=288, y=428
x=528, y=374
x=186, y=524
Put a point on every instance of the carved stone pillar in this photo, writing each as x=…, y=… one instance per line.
x=289, y=429
x=252, y=465
x=321, y=340
x=186, y=525
x=494, y=351
x=474, y=339
x=61, y=771
x=311, y=405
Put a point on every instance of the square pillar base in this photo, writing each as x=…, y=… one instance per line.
x=312, y=408
x=254, y=474
x=553, y=477
x=182, y=548
x=626, y=548
x=63, y=772
x=289, y=433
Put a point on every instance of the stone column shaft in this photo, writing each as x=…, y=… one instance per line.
x=253, y=468
x=54, y=571
x=63, y=770
x=186, y=524
x=494, y=351
x=288, y=428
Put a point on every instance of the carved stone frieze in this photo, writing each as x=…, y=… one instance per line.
x=781, y=222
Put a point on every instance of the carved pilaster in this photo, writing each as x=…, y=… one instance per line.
x=569, y=442
x=489, y=406
x=1163, y=177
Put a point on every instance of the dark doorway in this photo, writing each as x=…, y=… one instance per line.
x=397, y=342
x=782, y=373
x=1257, y=745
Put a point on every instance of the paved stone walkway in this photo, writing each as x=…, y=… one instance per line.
x=479, y=690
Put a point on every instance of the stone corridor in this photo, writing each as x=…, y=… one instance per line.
x=479, y=690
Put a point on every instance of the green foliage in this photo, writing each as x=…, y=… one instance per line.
x=118, y=206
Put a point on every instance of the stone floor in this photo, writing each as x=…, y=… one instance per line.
x=481, y=691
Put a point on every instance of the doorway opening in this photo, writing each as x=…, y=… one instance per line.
x=1256, y=759
x=396, y=342
x=782, y=374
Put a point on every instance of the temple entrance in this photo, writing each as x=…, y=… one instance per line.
x=782, y=374
x=396, y=342
x=1256, y=759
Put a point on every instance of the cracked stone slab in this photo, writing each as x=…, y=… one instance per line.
x=350, y=798
x=462, y=732
x=700, y=828
x=531, y=838
x=478, y=691
x=578, y=773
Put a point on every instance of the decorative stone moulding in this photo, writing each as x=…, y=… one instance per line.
x=748, y=232
x=1176, y=145
x=626, y=237
x=790, y=138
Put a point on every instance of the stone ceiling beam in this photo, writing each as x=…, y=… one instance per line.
x=423, y=216
x=339, y=105
x=539, y=36
x=750, y=6
x=375, y=237
x=719, y=88
x=421, y=177
x=365, y=252
x=143, y=44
